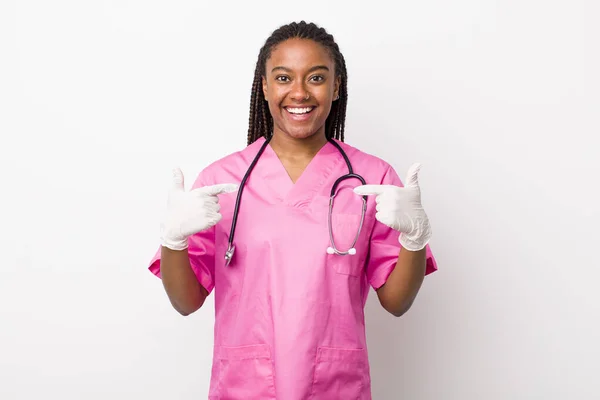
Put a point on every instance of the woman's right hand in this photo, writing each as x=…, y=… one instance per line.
x=190, y=212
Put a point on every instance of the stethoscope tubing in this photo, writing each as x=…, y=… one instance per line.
x=350, y=175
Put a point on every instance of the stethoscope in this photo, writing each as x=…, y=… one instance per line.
x=332, y=249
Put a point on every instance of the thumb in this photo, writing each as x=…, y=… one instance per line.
x=412, y=176
x=177, y=180
x=218, y=189
x=365, y=190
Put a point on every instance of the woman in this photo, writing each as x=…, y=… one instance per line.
x=289, y=320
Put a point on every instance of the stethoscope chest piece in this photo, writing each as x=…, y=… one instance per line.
x=229, y=254
x=331, y=250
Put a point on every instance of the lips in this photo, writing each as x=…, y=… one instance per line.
x=299, y=114
x=299, y=110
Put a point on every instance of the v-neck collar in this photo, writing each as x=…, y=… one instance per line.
x=310, y=182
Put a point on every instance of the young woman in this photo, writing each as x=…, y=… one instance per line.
x=290, y=264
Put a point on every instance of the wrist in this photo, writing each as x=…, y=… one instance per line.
x=411, y=244
x=177, y=245
x=417, y=239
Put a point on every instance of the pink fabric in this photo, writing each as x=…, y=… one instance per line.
x=289, y=321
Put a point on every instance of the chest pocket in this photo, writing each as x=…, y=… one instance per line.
x=345, y=229
x=345, y=225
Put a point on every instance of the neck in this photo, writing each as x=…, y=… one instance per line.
x=289, y=147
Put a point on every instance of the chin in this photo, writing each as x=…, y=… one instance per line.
x=301, y=133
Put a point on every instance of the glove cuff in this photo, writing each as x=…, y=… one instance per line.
x=412, y=245
x=418, y=239
x=176, y=245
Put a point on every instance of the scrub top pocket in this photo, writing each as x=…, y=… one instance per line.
x=246, y=372
x=341, y=374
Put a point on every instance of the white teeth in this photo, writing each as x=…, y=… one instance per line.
x=299, y=110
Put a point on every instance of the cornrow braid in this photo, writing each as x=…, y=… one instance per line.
x=260, y=122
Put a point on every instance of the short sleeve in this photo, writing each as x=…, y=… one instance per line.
x=201, y=251
x=384, y=246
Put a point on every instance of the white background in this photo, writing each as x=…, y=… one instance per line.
x=497, y=99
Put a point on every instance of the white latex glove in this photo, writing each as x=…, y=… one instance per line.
x=190, y=212
x=400, y=208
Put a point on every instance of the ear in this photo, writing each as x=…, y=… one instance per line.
x=336, y=87
x=264, y=88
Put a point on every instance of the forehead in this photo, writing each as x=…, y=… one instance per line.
x=299, y=53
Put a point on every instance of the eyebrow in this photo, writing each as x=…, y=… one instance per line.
x=316, y=67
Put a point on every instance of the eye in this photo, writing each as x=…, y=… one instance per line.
x=317, y=78
x=282, y=78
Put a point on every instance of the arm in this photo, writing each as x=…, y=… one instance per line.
x=400, y=290
x=183, y=289
x=188, y=214
x=400, y=209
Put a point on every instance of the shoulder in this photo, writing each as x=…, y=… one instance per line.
x=372, y=168
x=365, y=161
x=231, y=163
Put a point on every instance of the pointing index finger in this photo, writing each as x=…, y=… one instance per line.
x=366, y=190
x=218, y=189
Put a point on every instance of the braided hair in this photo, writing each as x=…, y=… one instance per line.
x=260, y=121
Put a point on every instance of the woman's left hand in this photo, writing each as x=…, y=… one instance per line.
x=400, y=208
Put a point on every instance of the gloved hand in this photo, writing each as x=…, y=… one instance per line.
x=400, y=208
x=190, y=212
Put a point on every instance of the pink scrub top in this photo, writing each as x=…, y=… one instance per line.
x=289, y=317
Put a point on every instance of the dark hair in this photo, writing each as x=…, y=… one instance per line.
x=261, y=121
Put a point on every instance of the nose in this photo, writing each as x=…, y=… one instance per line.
x=299, y=92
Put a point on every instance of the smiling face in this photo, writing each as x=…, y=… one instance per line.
x=300, y=84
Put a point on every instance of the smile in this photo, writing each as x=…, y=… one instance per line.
x=299, y=110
